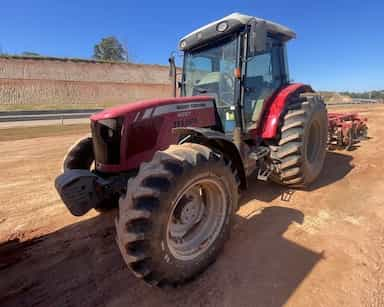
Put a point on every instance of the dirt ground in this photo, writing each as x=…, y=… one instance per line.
x=320, y=247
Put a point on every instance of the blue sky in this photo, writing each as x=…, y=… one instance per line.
x=339, y=45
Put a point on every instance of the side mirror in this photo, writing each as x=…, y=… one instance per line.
x=257, y=37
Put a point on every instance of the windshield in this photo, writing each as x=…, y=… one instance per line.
x=210, y=71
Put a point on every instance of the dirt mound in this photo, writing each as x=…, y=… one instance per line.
x=333, y=97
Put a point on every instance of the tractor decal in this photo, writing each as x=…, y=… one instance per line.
x=182, y=107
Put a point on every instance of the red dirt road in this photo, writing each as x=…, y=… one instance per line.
x=320, y=247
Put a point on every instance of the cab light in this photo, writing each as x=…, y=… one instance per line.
x=222, y=26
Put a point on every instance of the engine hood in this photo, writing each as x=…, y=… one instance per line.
x=134, y=107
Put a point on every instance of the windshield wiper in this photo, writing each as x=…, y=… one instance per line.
x=197, y=88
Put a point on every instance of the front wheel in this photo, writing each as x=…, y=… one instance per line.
x=176, y=214
x=81, y=156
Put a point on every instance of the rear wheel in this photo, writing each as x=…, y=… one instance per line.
x=176, y=214
x=302, y=145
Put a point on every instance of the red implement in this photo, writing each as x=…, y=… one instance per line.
x=346, y=129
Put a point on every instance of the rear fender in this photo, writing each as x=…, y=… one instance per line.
x=274, y=109
x=215, y=140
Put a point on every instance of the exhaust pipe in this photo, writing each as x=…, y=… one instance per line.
x=172, y=73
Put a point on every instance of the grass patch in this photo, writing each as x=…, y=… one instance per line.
x=21, y=133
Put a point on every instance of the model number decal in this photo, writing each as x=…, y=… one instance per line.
x=185, y=122
x=184, y=114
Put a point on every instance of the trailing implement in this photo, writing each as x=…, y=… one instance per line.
x=346, y=130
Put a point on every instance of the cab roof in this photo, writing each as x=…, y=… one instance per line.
x=237, y=20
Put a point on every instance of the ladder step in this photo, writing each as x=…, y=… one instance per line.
x=263, y=174
x=261, y=152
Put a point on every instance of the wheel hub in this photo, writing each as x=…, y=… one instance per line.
x=196, y=219
x=189, y=213
x=192, y=210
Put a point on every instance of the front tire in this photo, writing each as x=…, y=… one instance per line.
x=302, y=145
x=81, y=156
x=176, y=214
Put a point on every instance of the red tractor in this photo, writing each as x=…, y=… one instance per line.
x=176, y=166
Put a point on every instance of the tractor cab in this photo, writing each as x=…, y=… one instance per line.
x=239, y=60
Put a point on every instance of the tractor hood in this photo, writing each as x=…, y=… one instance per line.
x=125, y=136
x=152, y=104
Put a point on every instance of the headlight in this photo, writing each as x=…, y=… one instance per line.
x=109, y=128
x=110, y=123
x=222, y=26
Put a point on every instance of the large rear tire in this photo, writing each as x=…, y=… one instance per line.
x=301, y=148
x=176, y=214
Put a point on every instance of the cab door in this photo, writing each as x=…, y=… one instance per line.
x=265, y=74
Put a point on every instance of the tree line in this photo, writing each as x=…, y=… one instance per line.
x=108, y=49
x=365, y=95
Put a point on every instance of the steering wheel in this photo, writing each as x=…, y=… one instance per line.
x=226, y=96
x=228, y=79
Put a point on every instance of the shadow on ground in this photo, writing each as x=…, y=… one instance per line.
x=337, y=165
x=80, y=264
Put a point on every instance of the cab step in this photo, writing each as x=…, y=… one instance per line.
x=260, y=153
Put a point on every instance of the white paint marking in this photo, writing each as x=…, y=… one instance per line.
x=190, y=106
x=147, y=113
x=137, y=116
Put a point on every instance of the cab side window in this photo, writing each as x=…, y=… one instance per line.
x=263, y=77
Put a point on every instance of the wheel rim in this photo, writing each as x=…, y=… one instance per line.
x=197, y=218
x=313, y=143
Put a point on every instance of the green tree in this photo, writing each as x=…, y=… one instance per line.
x=29, y=53
x=378, y=94
x=110, y=49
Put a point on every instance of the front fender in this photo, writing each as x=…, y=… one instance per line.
x=218, y=141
